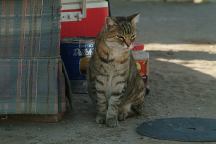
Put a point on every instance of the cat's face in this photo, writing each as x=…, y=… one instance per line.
x=121, y=31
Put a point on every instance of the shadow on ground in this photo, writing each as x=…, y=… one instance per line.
x=178, y=90
x=169, y=23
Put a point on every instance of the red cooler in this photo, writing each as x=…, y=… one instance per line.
x=84, y=18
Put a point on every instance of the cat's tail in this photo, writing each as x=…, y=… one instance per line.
x=147, y=91
x=147, y=88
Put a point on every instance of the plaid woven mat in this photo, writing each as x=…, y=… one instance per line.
x=29, y=28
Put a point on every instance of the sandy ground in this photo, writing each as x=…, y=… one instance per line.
x=181, y=39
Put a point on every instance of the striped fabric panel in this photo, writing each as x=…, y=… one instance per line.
x=29, y=28
x=31, y=86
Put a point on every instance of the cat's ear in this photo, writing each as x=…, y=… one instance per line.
x=134, y=18
x=110, y=21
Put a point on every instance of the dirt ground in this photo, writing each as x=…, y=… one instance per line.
x=181, y=40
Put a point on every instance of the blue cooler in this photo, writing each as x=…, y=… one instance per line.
x=75, y=53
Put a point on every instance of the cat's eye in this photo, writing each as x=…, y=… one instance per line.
x=133, y=37
x=120, y=37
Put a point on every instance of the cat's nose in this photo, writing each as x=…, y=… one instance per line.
x=128, y=43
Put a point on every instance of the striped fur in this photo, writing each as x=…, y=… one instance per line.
x=114, y=83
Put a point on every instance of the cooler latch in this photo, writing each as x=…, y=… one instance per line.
x=75, y=16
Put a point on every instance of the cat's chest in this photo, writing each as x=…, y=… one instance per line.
x=112, y=68
x=115, y=53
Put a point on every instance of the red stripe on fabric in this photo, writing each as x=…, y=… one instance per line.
x=11, y=8
x=48, y=81
x=3, y=7
x=10, y=27
x=19, y=85
x=22, y=31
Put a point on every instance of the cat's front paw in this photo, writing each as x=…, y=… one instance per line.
x=112, y=122
x=138, y=108
x=122, y=116
x=100, y=119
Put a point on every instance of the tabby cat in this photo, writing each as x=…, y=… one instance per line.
x=114, y=83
